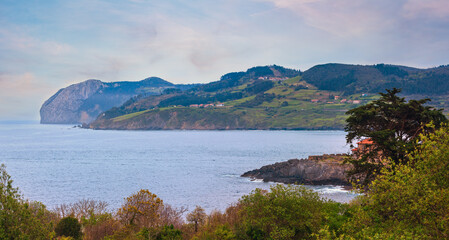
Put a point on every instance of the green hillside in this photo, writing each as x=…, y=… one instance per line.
x=260, y=98
x=273, y=97
x=376, y=78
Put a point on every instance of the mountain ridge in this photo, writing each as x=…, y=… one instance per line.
x=273, y=97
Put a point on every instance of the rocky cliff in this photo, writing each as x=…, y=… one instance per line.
x=83, y=102
x=315, y=170
x=64, y=106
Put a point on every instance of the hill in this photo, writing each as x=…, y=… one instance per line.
x=269, y=97
x=82, y=102
x=274, y=97
x=376, y=78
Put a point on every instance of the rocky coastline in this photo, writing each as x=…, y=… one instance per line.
x=327, y=169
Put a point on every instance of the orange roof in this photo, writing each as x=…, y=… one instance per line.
x=366, y=141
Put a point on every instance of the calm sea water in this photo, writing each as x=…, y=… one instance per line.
x=58, y=164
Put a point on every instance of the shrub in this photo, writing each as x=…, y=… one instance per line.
x=410, y=201
x=169, y=233
x=286, y=212
x=69, y=227
x=20, y=219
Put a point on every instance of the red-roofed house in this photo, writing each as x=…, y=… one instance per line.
x=364, y=147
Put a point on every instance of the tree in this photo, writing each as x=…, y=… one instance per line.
x=141, y=209
x=171, y=216
x=286, y=212
x=197, y=217
x=69, y=227
x=411, y=201
x=20, y=219
x=84, y=208
x=393, y=125
x=169, y=233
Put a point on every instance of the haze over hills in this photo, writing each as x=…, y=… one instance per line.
x=271, y=97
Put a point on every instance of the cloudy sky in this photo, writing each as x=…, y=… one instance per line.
x=47, y=45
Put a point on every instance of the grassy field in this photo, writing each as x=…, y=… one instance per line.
x=289, y=104
x=129, y=116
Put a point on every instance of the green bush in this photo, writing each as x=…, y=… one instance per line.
x=69, y=227
x=20, y=219
x=287, y=212
x=411, y=201
x=169, y=233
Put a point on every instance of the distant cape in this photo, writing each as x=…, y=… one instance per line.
x=83, y=102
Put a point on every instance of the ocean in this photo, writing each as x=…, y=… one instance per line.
x=57, y=164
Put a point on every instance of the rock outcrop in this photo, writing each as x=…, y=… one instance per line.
x=83, y=102
x=315, y=170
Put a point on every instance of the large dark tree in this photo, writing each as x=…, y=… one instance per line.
x=393, y=125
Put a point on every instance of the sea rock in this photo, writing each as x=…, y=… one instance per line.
x=315, y=170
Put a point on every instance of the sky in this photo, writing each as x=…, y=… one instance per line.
x=49, y=44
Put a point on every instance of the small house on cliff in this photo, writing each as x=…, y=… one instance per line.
x=365, y=147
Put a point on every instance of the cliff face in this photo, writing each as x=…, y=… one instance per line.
x=316, y=170
x=64, y=106
x=83, y=102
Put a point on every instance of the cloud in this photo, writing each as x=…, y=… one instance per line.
x=343, y=18
x=427, y=9
x=19, y=41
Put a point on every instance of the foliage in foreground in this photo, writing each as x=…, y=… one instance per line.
x=284, y=212
x=407, y=201
x=410, y=201
x=69, y=227
x=394, y=125
x=20, y=219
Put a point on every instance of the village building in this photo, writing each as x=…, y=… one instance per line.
x=366, y=146
x=363, y=147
